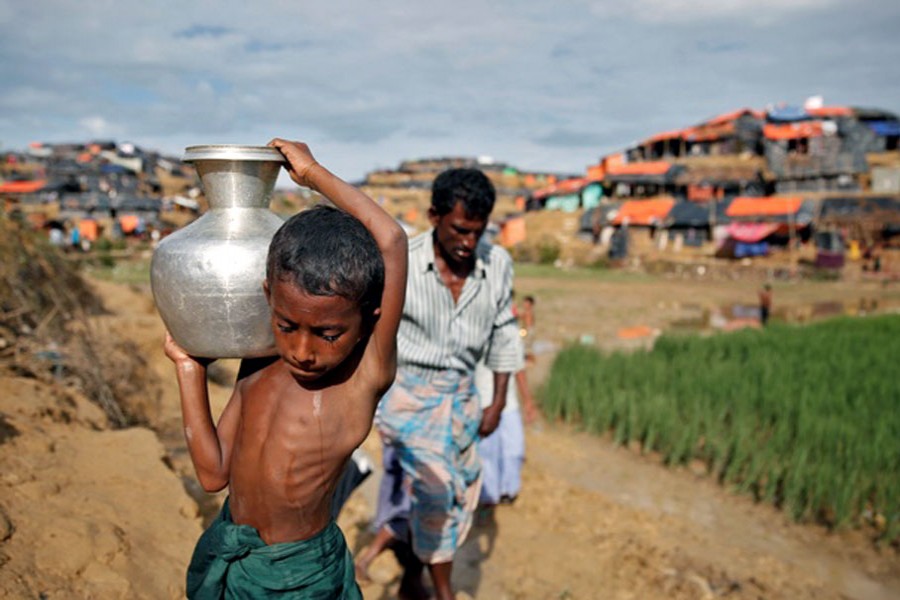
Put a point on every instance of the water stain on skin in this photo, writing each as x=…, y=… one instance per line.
x=317, y=413
x=317, y=403
x=188, y=434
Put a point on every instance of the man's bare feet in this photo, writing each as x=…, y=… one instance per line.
x=383, y=539
x=412, y=587
x=361, y=569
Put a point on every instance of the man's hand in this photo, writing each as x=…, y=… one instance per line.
x=530, y=413
x=490, y=420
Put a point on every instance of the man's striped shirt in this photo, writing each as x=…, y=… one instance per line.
x=437, y=334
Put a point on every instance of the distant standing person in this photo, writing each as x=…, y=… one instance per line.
x=527, y=315
x=523, y=389
x=75, y=237
x=765, y=304
x=503, y=451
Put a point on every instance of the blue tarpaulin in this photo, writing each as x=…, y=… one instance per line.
x=758, y=249
x=885, y=128
x=787, y=114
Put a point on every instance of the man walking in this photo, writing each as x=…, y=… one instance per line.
x=458, y=308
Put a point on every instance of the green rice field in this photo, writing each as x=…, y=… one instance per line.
x=804, y=417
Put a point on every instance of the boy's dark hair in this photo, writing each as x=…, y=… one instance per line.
x=529, y=299
x=327, y=252
x=469, y=186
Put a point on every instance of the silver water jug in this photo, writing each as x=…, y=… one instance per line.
x=207, y=277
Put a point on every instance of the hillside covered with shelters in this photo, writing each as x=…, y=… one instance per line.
x=81, y=193
x=793, y=190
x=816, y=184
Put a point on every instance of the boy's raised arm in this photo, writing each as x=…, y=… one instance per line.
x=390, y=237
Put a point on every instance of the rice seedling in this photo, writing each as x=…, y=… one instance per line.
x=803, y=417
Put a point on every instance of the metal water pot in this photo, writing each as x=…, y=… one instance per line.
x=207, y=277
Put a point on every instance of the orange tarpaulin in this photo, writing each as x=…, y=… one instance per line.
x=651, y=167
x=749, y=206
x=831, y=111
x=22, y=187
x=512, y=231
x=634, y=333
x=792, y=131
x=734, y=115
x=566, y=186
x=701, y=193
x=612, y=160
x=596, y=172
x=644, y=212
x=129, y=223
x=89, y=229
x=709, y=132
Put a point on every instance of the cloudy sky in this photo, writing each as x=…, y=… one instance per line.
x=537, y=84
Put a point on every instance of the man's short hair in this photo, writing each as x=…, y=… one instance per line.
x=327, y=252
x=471, y=187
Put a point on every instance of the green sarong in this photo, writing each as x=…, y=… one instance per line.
x=232, y=561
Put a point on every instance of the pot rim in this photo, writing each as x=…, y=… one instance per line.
x=232, y=152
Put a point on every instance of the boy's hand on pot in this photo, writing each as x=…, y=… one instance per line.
x=179, y=355
x=299, y=160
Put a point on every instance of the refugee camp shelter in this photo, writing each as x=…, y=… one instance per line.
x=694, y=221
x=729, y=133
x=884, y=127
x=763, y=221
x=735, y=132
x=567, y=195
x=867, y=218
x=813, y=149
x=593, y=220
x=641, y=179
x=789, y=210
x=706, y=179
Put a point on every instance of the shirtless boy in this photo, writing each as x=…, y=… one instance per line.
x=335, y=283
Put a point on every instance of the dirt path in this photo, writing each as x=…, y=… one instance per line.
x=594, y=520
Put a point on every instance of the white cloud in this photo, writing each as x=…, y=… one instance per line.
x=98, y=127
x=669, y=11
x=371, y=85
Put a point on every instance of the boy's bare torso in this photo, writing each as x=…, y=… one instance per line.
x=289, y=451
